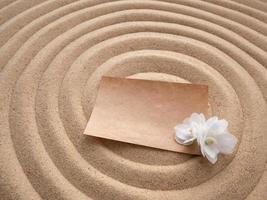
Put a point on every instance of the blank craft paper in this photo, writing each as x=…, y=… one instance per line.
x=145, y=112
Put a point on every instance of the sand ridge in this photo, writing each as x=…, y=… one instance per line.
x=53, y=54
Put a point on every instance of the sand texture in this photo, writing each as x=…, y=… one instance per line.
x=52, y=56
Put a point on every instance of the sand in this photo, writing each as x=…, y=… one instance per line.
x=52, y=56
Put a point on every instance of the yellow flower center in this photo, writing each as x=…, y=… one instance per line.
x=210, y=141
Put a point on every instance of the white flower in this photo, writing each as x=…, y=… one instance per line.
x=185, y=133
x=216, y=139
x=212, y=135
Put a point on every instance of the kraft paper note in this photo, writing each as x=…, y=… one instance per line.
x=145, y=112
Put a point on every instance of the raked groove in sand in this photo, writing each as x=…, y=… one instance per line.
x=52, y=56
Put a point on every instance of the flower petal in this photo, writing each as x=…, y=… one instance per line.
x=211, y=153
x=201, y=141
x=184, y=142
x=183, y=134
x=216, y=127
x=197, y=118
x=199, y=131
x=226, y=143
x=211, y=121
x=181, y=126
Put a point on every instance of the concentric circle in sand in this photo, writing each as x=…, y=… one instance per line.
x=52, y=57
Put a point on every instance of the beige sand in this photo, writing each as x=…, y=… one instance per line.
x=53, y=54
